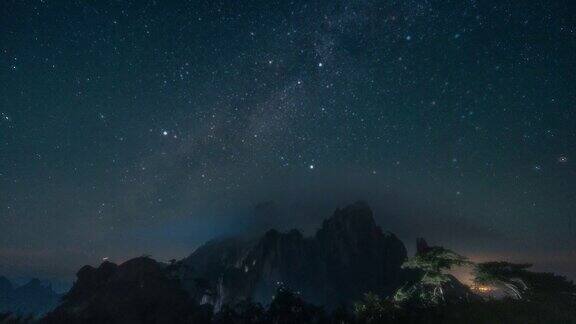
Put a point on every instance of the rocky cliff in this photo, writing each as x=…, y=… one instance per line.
x=348, y=256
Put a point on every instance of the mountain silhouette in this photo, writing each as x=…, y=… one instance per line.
x=33, y=297
x=348, y=256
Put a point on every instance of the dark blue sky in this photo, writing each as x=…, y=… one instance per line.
x=133, y=127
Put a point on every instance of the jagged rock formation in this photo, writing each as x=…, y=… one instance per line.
x=422, y=246
x=137, y=291
x=32, y=298
x=348, y=256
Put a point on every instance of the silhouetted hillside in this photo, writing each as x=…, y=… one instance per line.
x=137, y=291
x=32, y=298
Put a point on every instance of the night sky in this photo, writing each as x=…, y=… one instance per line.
x=148, y=127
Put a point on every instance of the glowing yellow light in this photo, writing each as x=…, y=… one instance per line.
x=482, y=289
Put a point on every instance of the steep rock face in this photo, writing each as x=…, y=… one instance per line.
x=137, y=291
x=232, y=270
x=213, y=266
x=32, y=298
x=358, y=257
x=348, y=256
x=281, y=258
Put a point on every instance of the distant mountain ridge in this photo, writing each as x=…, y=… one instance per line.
x=33, y=297
x=347, y=257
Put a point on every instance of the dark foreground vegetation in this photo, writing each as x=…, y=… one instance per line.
x=287, y=307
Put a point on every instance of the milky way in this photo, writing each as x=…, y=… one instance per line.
x=147, y=127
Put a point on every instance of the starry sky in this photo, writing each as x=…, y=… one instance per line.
x=148, y=127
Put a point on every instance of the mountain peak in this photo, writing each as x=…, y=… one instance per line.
x=356, y=214
x=348, y=245
x=35, y=297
